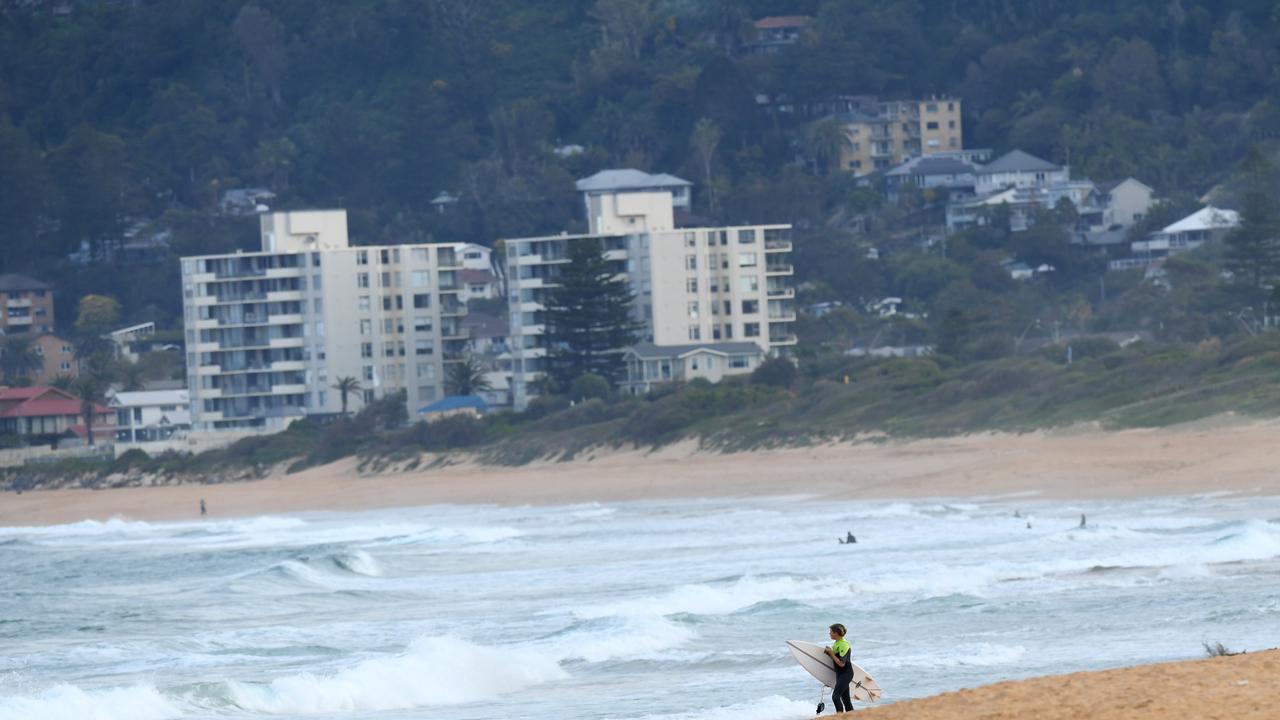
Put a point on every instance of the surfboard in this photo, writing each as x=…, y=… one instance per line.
x=818, y=664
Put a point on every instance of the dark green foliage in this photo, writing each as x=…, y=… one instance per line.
x=775, y=372
x=588, y=386
x=588, y=317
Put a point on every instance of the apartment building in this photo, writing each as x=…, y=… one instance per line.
x=269, y=333
x=692, y=284
x=900, y=130
x=26, y=305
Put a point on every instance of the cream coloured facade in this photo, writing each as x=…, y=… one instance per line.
x=269, y=333
x=692, y=285
x=899, y=131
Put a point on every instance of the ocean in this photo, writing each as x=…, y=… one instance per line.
x=673, y=610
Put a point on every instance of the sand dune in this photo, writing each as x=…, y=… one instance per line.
x=1240, y=687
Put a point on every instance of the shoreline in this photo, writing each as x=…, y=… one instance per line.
x=1240, y=687
x=1224, y=455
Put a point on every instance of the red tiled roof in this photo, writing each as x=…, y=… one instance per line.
x=98, y=430
x=782, y=21
x=41, y=402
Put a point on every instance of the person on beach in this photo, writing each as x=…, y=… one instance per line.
x=203, y=510
x=1082, y=521
x=839, y=653
x=849, y=539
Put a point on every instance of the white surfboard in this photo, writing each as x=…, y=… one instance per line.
x=821, y=666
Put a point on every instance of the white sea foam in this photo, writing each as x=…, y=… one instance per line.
x=68, y=702
x=358, y=562
x=773, y=707
x=434, y=671
x=964, y=655
x=720, y=599
x=630, y=638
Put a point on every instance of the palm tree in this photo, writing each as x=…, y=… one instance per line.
x=19, y=359
x=89, y=388
x=346, y=386
x=466, y=377
x=825, y=140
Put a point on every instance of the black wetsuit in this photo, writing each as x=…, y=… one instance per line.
x=840, y=693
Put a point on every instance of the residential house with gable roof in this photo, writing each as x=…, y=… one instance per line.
x=46, y=415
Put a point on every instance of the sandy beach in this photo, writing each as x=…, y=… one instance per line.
x=1239, y=687
x=1223, y=455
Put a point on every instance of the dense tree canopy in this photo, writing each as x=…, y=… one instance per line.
x=150, y=110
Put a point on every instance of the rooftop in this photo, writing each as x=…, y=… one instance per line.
x=778, y=22
x=20, y=283
x=934, y=166
x=629, y=179
x=650, y=350
x=1017, y=161
x=1207, y=218
x=455, y=402
x=151, y=397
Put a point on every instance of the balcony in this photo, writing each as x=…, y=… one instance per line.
x=240, y=272
x=285, y=296
x=19, y=302
x=773, y=246
x=228, y=298
x=779, y=340
x=779, y=269
x=285, y=319
x=781, y=293
x=453, y=309
x=782, y=317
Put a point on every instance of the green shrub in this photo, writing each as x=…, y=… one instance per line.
x=776, y=372
x=589, y=386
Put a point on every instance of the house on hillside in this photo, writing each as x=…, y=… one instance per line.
x=777, y=32
x=1019, y=170
x=245, y=201
x=950, y=172
x=1126, y=201
x=1206, y=225
x=44, y=415
x=151, y=415
x=649, y=365
x=472, y=405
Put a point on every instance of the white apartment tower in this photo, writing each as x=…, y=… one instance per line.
x=692, y=284
x=270, y=333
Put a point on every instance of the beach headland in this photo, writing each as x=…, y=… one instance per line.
x=1239, y=687
x=1229, y=456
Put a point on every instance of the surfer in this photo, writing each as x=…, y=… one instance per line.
x=839, y=652
x=203, y=510
x=1082, y=521
x=849, y=539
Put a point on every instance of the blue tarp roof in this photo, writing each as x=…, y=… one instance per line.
x=456, y=402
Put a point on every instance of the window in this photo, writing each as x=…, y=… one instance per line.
x=728, y=307
x=385, y=280
x=690, y=262
x=67, y=349
x=931, y=125
x=746, y=259
x=695, y=332
x=420, y=278
x=420, y=255
x=364, y=303
x=691, y=285
x=315, y=282
x=388, y=348
x=362, y=280
x=362, y=257
x=424, y=347
x=728, y=331
x=366, y=350
x=931, y=107
x=751, y=330
x=366, y=327
x=750, y=283
x=738, y=361
x=422, y=301
x=691, y=239
x=724, y=237
x=952, y=142
x=426, y=371
x=385, y=256
x=388, y=326
x=750, y=307
x=646, y=287
x=951, y=124
x=318, y=306
x=386, y=302
x=422, y=324
x=426, y=393
x=367, y=372
x=747, y=237
x=693, y=310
